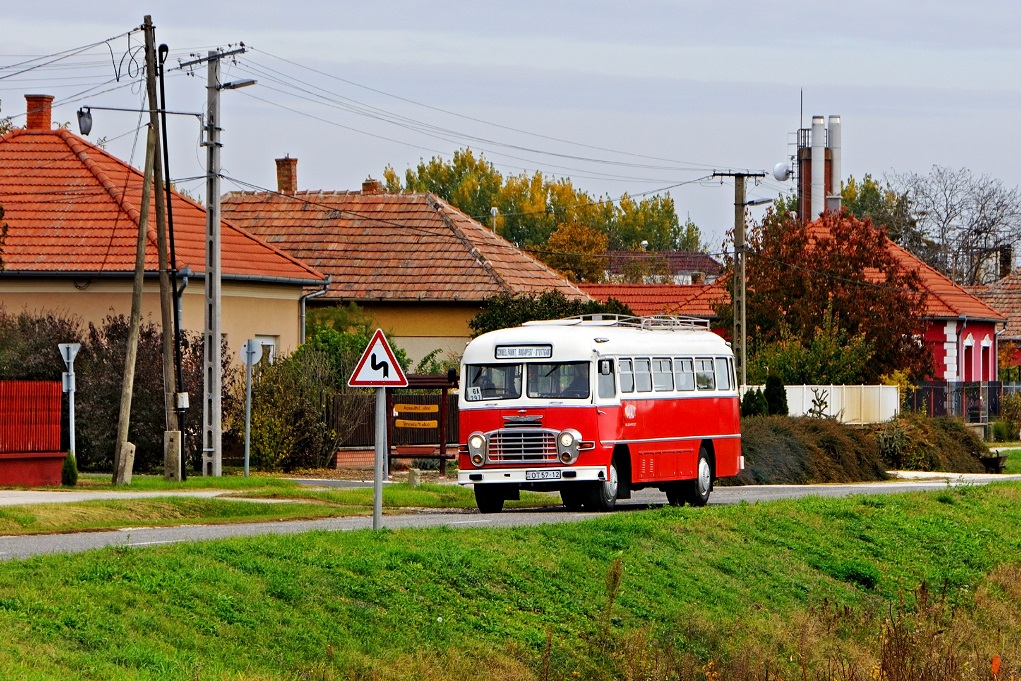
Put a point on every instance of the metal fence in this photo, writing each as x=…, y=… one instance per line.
x=975, y=402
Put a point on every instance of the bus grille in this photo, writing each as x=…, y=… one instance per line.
x=523, y=446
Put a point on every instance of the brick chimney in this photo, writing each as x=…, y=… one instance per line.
x=371, y=186
x=287, y=175
x=39, y=112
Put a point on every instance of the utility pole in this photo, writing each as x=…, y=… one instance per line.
x=212, y=413
x=172, y=435
x=124, y=454
x=740, y=336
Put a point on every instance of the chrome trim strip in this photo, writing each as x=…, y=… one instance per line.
x=689, y=438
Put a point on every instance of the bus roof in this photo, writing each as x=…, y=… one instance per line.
x=582, y=338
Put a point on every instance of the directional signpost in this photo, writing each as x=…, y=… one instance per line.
x=69, y=351
x=378, y=368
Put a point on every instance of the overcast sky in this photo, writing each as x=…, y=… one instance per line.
x=621, y=97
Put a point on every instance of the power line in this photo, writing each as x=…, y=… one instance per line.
x=477, y=120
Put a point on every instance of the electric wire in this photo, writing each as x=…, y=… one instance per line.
x=471, y=118
x=427, y=128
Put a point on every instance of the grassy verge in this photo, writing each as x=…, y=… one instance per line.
x=816, y=588
x=304, y=503
x=156, y=483
x=1013, y=461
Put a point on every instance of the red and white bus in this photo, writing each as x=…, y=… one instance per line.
x=598, y=406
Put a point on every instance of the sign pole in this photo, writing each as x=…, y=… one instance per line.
x=378, y=368
x=381, y=447
x=69, y=351
x=251, y=354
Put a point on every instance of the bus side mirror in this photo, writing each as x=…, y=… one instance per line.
x=452, y=376
x=605, y=367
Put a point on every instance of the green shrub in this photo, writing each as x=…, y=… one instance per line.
x=754, y=403
x=930, y=444
x=893, y=441
x=785, y=450
x=29, y=351
x=1003, y=432
x=776, y=397
x=69, y=471
x=1010, y=414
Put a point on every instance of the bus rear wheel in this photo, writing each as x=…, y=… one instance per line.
x=489, y=498
x=697, y=491
x=602, y=496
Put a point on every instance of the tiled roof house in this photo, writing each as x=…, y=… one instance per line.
x=73, y=211
x=659, y=267
x=695, y=300
x=959, y=328
x=1004, y=296
x=418, y=265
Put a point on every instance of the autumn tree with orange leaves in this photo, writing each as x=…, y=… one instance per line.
x=796, y=272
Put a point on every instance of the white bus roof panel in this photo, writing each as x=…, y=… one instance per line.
x=577, y=340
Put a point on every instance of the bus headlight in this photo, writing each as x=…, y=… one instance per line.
x=567, y=445
x=477, y=448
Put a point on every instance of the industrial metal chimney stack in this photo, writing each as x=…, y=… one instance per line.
x=818, y=204
x=819, y=167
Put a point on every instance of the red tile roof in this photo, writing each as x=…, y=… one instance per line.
x=944, y=298
x=72, y=208
x=1005, y=297
x=696, y=300
x=380, y=246
x=676, y=262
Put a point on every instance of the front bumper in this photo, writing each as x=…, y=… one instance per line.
x=517, y=475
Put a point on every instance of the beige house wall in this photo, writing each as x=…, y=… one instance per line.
x=418, y=328
x=248, y=310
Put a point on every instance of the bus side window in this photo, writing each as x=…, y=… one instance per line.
x=684, y=374
x=722, y=374
x=627, y=376
x=662, y=375
x=605, y=386
x=704, y=374
x=643, y=375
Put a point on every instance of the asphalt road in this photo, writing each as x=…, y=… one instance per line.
x=17, y=547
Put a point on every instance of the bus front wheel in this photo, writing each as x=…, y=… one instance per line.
x=698, y=490
x=602, y=496
x=489, y=498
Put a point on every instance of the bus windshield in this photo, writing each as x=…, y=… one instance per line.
x=493, y=382
x=558, y=380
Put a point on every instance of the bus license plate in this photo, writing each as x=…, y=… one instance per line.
x=542, y=475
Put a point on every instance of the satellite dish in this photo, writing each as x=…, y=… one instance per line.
x=782, y=171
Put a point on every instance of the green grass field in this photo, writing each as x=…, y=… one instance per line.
x=243, y=503
x=815, y=589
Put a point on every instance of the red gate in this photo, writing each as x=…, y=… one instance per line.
x=30, y=433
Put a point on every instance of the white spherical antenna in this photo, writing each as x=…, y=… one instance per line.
x=782, y=171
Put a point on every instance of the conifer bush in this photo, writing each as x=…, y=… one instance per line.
x=69, y=471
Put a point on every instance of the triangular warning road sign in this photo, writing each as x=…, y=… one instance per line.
x=378, y=368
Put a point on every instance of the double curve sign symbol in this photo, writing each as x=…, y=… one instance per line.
x=380, y=365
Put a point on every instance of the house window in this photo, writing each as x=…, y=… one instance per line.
x=269, y=347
